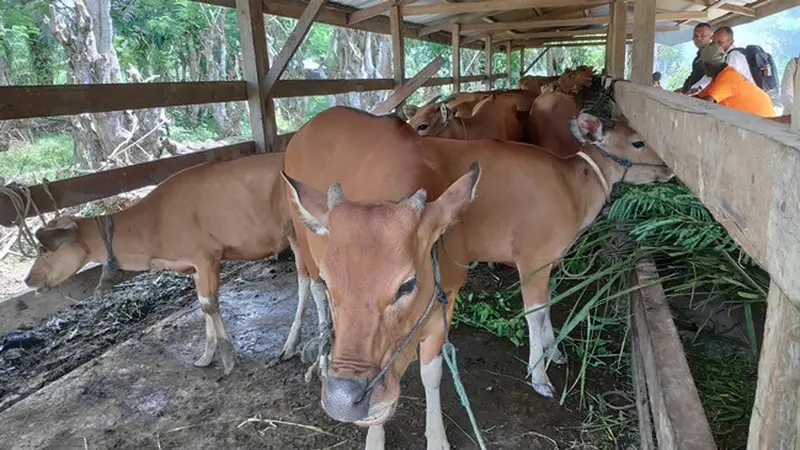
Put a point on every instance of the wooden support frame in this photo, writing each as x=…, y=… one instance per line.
x=23, y=102
x=535, y=60
x=456, y=34
x=487, y=51
x=255, y=62
x=296, y=38
x=509, y=72
x=680, y=421
x=495, y=5
x=618, y=34
x=402, y=92
x=398, y=50
x=644, y=41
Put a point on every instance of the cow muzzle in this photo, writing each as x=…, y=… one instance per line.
x=345, y=399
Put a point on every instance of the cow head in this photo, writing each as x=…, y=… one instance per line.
x=573, y=81
x=375, y=260
x=616, y=140
x=431, y=119
x=61, y=255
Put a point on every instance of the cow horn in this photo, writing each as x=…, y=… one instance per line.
x=417, y=201
x=335, y=195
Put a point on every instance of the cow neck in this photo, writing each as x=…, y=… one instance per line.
x=127, y=245
x=594, y=176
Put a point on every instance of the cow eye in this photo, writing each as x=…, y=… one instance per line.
x=406, y=288
x=638, y=144
x=422, y=127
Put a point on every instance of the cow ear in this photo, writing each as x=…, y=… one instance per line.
x=410, y=111
x=53, y=236
x=586, y=128
x=312, y=205
x=445, y=210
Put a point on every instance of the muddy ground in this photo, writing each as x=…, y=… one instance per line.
x=117, y=373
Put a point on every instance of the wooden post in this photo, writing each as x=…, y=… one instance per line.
x=299, y=33
x=644, y=38
x=775, y=422
x=398, y=49
x=521, y=62
x=508, y=65
x=255, y=63
x=617, y=27
x=456, y=32
x=488, y=52
x=795, y=126
x=402, y=92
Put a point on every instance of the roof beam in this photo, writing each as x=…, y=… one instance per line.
x=569, y=33
x=448, y=22
x=496, y=5
x=368, y=13
x=547, y=23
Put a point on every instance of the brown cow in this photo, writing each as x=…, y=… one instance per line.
x=234, y=210
x=372, y=249
x=494, y=117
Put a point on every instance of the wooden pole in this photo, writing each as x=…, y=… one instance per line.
x=488, y=52
x=255, y=63
x=644, y=38
x=619, y=17
x=508, y=65
x=775, y=422
x=796, y=105
x=456, y=32
x=521, y=61
x=398, y=49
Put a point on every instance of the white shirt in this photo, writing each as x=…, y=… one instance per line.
x=787, y=85
x=738, y=61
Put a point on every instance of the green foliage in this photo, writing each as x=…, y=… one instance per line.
x=50, y=156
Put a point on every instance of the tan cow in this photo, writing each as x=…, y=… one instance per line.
x=494, y=117
x=234, y=210
x=373, y=248
x=570, y=82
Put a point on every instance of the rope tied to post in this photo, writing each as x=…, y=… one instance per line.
x=22, y=202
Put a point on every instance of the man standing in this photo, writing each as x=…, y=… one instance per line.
x=701, y=38
x=730, y=88
x=723, y=37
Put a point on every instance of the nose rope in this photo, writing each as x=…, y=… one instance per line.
x=626, y=163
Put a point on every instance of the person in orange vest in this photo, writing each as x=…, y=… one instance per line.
x=730, y=88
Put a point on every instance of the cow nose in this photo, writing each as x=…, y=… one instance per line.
x=345, y=399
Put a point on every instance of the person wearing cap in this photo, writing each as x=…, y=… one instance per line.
x=701, y=38
x=730, y=88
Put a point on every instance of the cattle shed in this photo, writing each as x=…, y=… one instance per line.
x=743, y=168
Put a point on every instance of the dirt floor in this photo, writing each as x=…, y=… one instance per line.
x=117, y=373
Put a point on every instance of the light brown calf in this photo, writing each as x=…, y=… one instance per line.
x=571, y=81
x=373, y=249
x=494, y=117
x=234, y=210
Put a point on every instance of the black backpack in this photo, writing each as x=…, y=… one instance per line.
x=762, y=67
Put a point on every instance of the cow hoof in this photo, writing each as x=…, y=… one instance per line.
x=205, y=360
x=545, y=389
x=438, y=444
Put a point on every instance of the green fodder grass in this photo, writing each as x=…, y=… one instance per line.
x=665, y=222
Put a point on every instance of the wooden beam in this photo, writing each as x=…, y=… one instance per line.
x=681, y=423
x=255, y=62
x=398, y=50
x=522, y=25
x=86, y=188
x=775, y=419
x=448, y=22
x=496, y=5
x=753, y=194
x=761, y=10
x=307, y=88
x=23, y=102
x=296, y=38
x=487, y=51
x=402, y=92
x=508, y=65
x=795, y=112
x=521, y=62
x=456, y=34
x=618, y=34
x=373, y=11
x=644, y=41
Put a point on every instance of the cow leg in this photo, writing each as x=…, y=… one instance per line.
x=320, y=296
x=548, y=337
x=207, y=280
x=303, y=290
x=534, y=296
x=376, y=438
